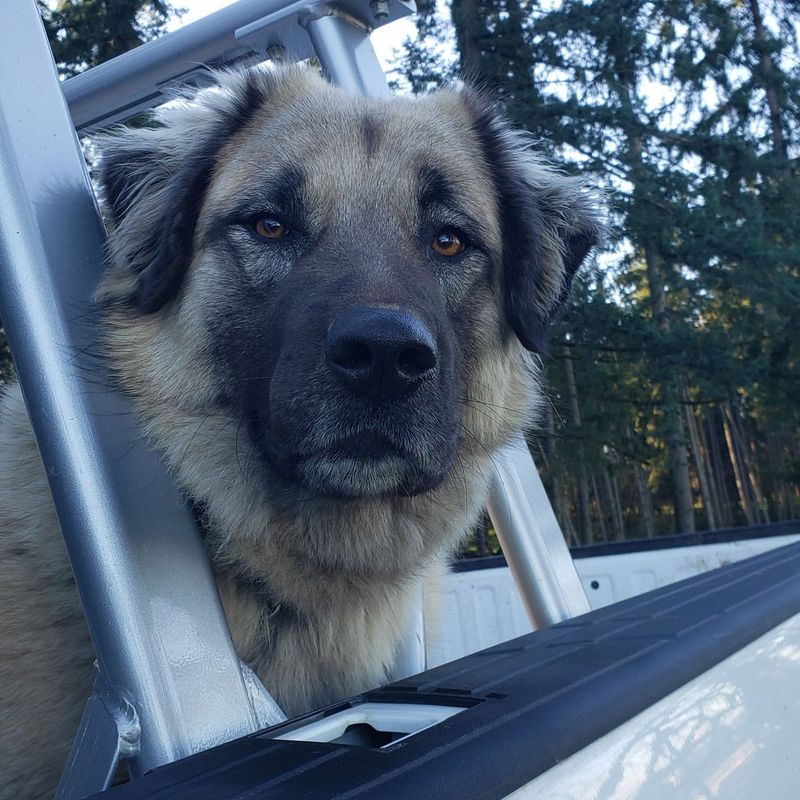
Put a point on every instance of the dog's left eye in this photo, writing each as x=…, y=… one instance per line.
x=448, y=243
x=270, y=228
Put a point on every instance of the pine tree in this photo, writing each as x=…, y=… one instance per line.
x=84, y=33
x=686, y=361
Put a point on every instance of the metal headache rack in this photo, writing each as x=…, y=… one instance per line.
x=145, y=582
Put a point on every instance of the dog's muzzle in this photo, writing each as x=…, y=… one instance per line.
x=367, y=409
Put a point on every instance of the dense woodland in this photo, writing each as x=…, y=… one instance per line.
x=675, y=372
x=673, y=375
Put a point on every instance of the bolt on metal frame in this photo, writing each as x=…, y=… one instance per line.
x=168, y=681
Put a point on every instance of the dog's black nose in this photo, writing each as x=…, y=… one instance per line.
x=380, y=351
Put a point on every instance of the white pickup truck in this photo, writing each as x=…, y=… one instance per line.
x=690, y=691
x=481, y=606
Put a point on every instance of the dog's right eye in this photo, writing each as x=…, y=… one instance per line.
x=448, y=243
x=270, y=228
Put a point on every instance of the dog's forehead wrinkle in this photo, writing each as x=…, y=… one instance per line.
x=329, y=122
x=371, y=130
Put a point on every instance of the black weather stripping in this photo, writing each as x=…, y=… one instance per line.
x=530, y=703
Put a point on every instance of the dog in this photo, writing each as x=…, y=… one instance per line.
x=326, y=310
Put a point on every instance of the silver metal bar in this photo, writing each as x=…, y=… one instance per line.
x=267, y=711
x=531, y=539
x=93, y=760
x=147, y=589
x=242, y=33
x=347, y=56
x=109, y=729
x=411, y=656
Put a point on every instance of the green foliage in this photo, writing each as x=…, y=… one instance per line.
x=688, y=114
x=84, y=33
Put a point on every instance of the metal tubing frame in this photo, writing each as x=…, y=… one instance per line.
x=145, y=582
x=109, y=730
x=531, y=539
x=147, y=589
x=347, y=56
x=243, y=33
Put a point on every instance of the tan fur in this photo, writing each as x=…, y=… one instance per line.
x=350, y=569
x=45, y=652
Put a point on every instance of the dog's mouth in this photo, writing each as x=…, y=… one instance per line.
x=367, y=447
x=357, y=466
x=366, y=465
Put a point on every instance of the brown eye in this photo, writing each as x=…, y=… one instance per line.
x=270, y=228
x=448, y=243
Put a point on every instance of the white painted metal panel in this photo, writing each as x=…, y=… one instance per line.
x=731, y=734
x=621, y=576
x=480, y=608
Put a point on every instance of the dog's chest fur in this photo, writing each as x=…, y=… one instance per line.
x=316, y=632
x=308, y=659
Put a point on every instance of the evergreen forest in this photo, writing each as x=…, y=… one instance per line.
x=673, y=376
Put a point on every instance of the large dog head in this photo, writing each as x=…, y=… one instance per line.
x=334, y=294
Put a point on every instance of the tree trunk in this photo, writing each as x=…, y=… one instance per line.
x=470, y=26
x=739, y=471
x=777, y=456
x=746, y=450
x=699, y=432
x=718, y=470
x=645, y=501
x=655, y=267
x=618, y=503
x=568, y=529
x=766, y=70
x=673, y=417
x=614, y=506
x=553, y=482
x=706, y=489
x=584, y=511
x=601, y=514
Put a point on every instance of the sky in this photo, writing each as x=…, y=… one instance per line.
x=385, y=39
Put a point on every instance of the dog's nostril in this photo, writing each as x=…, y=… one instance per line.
x=355, y=356
x=416, y=361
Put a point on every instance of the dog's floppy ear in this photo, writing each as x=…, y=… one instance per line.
x=549, y=224
x=152, y=200
x=154, y=181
